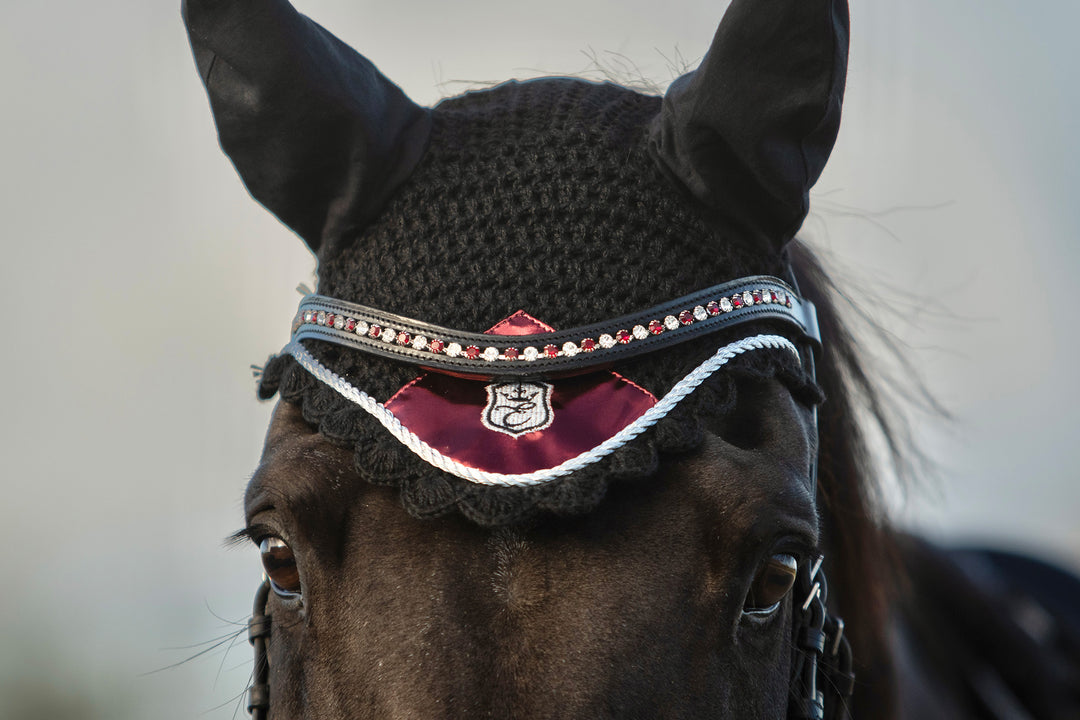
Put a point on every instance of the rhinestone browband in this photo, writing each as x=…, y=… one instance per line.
x=555, y=353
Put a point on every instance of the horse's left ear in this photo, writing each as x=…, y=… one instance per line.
x=748, y=133
x=319, y=136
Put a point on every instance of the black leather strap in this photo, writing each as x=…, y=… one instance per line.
x=563, y=352
x=258, y=703
x=822, y=676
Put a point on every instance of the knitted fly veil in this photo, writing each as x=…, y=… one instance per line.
x=523, y=210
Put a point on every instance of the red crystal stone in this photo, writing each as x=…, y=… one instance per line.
x=713, y=307
x=436, y=346
x=774, y=298
x=736, y=300
x=374, y=331
x=787, y=301
x=472, y=352
x=551, y=351
x=686, y=317
x=757, y=296
x=623, y=336
x=330, y=319
x=404, y=338
x=510, y=353
x=656, y=327
x=350, y=325
x=588, y=344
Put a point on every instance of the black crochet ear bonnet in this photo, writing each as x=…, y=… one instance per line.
x=573, y=201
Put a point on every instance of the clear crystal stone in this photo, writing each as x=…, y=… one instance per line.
x=362, y=327
x=388, y=335
x=725, y=304
x=766, y=297
x=700, y=314
x=453, y=349
x=640, y=332
x=530, y=353
x=748, y=298
x=671, y=322
x=420, y=342
x=570, y=349
x=490, y=354
x=606, y=341
x=321, y=318
x=339, y=322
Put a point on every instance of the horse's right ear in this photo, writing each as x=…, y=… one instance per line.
x=318, y=135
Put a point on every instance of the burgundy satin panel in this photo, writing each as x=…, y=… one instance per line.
x=520, y=323
x=445, y=412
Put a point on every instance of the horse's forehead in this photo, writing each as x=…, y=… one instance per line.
x=297, y=462
x=287, y=427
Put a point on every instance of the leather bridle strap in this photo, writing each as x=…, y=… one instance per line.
x=822, y=676
x=557, y=353
x=258, y=635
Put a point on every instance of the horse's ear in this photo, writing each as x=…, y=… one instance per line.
x=748, y=133
x=318, y=135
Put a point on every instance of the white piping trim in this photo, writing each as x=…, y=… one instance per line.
x=483, y=477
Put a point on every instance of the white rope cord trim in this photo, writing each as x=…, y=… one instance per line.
x=483, y=477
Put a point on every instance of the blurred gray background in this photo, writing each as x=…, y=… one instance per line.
x=140, y=282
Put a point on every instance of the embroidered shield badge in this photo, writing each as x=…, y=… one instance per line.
x=516, y=408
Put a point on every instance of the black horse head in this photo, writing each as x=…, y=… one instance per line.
x=655, y=582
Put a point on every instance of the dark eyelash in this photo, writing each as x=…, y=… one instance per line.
x=254, y=533
x=801, y=549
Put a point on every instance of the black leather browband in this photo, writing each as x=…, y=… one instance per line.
x=563, y=352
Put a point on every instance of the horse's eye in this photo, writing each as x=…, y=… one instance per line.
x=280, y=566
x=773, y=581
